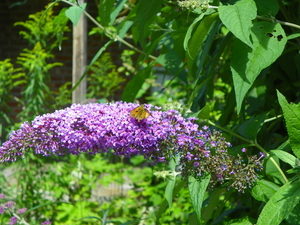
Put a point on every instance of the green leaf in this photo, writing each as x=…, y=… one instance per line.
x=60, y=23
x=271, y=168
x=135, y=84
x=193, y=40
x=74, y=13
x=197, y=191
x=238, y=19
x=214, y=202
x=163, y=206
x=267, y=7
x=171, y=183
x=292, y=36
x=117, y=10
x=268, y=43
x=171, y=61
x=251, y=127
x=280, y=205
x=104, y=10
x=285, y=157
x=264, y=190
x=291, y=113
x=145, y=11
x=204, y=113
x=242, y=221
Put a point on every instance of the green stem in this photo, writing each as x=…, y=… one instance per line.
x=254, y=143
x=279, y=21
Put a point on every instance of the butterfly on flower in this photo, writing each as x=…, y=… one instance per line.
x=140, y=113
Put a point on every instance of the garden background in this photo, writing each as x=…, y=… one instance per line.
x=234, y=65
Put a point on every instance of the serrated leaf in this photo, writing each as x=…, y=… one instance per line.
x=238, y=19
x=264, y=190
x=285, y=157
x=291, y=113
x=74, y=13
x=197, y=191
x=135, y=84
x=242, y=221
x=268, y=43
x=280, y=204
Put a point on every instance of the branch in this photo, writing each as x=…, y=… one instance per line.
x=109, y=34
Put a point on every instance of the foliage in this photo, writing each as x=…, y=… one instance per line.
x=104, y=80
x=45, y=28
x=37, y=92
x=7, y=82
x=45, y=33
x=62, y=96
x=238, y=63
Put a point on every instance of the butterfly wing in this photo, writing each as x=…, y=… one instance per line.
x=139, y=113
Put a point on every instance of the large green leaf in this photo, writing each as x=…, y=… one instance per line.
x=104, y=10
x=291, y=114
x=280, y=205
x=285, y=157
x=171, y=61
x=251, y=127
x=238, y=19
x=264, y=190
x=197, y=191
x=197, y=33
x=145, y=11
x=134, y=85
x=74, y=13
x=267, y=7
x=268, y=43
x=171, y=182
x=117, y=10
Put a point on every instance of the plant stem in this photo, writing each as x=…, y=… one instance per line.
x=279, y=21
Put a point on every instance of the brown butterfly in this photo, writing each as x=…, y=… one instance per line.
x=140, y=113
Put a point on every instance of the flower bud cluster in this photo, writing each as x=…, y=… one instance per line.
x=193, y=4
x=213, y=158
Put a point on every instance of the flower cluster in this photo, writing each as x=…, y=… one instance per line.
x=9, y=207
x=95, y=128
